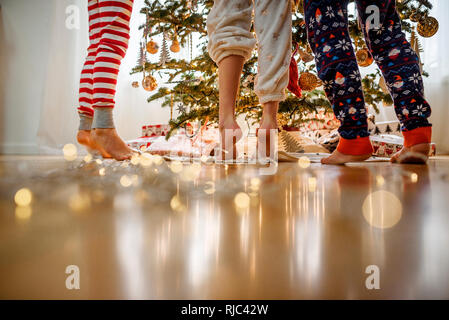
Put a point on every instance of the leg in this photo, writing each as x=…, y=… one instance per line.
x=273, y=27
x=230, y=45
x=328, y=34
x=230, y=71
x=112, y=46
x=85, y=110
x=400, y=67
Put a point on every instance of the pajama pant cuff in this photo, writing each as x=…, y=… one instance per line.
x=355, y=147
x=85, y=122
x=217, y=57
x=103, y=118
x=272, y=98
x=417, y=136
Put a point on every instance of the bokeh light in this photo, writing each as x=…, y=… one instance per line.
x=23, y=197
x=242, y=200
x=382, y=209
x=126, y=181
x=70, y=152
x=176, y=166
x=23, y=213
x=304, y=162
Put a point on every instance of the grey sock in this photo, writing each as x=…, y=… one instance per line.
x=85, y=122
x=103, y=118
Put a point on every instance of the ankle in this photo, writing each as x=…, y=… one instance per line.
x=103, y=132
x=227, y=123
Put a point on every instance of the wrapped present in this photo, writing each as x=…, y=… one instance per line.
x=158, y=130
x=387, y=127
x=180, y=144
x=320, y=120
x=141, y=143
x=387, y=145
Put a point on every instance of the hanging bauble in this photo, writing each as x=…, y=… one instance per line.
x=175, y=47
x=135, y=84
x=152, y=47
x=383, y=85
x=428, y=27
x=308, y=81
x=149, y=83
x=364, y=57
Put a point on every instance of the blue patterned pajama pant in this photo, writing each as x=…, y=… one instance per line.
x=328, y=34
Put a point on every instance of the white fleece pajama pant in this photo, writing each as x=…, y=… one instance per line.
x=229, y=28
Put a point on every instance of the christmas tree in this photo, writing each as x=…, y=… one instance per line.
x=192, y=82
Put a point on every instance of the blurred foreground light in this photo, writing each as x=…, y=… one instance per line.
x=79, y=202
x=241, y=200
x=255, y=184
x=102, y=172
x=382, y=209
x=158, y=160
x=312, y=184
x=70, y=152
x=23, y=197
x=146, y=160
x=176, y=166
x=23, y=213
x=135, y=159
x=88, y=158
x=126, y=181
x=414, y=177
x=304, y=162
x=176, y=204
x=210, y=187
x=380, y=181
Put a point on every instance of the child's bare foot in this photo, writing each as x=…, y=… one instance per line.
x=417, y=154
x=338, y=158
x=108, y=142
x=230, y=134
x=266, y=139
x=84, y=138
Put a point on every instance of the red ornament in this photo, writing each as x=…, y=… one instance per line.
x=293, y=85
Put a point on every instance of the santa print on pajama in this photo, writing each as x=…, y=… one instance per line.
x=327, y=27
x=109, y=36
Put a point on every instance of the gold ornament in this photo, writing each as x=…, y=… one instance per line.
x=175, y=47
x=149, y=83
x=364, y=57
x=152, y=47
x=308, y=81
x=428, y=27
x=135, y=84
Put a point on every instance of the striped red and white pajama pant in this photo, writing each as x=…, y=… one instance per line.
x=109, y=37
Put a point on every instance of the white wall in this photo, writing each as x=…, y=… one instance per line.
x=40, y=63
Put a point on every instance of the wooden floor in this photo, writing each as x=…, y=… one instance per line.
x=214, y=232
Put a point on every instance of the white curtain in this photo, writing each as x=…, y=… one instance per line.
x=58, y=120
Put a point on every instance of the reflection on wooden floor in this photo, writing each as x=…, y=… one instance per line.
x=164, y=231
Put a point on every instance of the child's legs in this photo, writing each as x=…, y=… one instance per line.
x=327, y=27
x=400, y=67
x=230, y=45
x=112, y=46
x=86, y=82
x=273, y=25
x=229, y=73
